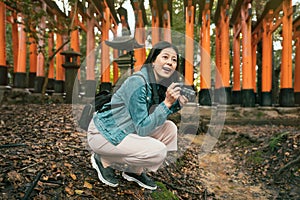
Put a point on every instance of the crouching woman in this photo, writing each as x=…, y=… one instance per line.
x=135, y=131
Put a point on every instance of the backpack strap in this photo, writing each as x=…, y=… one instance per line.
x=143, y=78
x=152, y=81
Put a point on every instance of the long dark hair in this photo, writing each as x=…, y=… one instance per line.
x=163, y=85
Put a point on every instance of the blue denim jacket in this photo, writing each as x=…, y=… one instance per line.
x=133, y=115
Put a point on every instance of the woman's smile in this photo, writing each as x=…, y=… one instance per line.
x=167, y=70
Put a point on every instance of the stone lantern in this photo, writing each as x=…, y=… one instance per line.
x=125, y=44
x=71, y=69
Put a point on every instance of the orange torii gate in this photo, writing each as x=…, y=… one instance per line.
x=90, y=83
x=20, y=39
x=58, y=77
x=32, y=61
x=161, y=20
x=20, y=72
x=266, y=25
x=296, y=37
x=20, y=66
x=189, y=43
x=222, y=79
x=91, y=16
x=241, y=22
x=108, y=23
x=166, y=22
x=36, y=70
x=60, y=71
x=40, y=70
x=3, y=64
x=140, y=36
x=205, y=65
x=155, y=23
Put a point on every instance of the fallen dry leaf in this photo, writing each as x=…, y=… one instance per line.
x=69, y=190
x=73, y=176
x=14, y=176
x=87, y=185
x=79, y=191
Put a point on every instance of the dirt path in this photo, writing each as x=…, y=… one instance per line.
x=221, y=176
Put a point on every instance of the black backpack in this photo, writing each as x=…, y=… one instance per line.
x=97, y=104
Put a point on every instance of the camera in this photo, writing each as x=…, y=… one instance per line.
x=187, y=91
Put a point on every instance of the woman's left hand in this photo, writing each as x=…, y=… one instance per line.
x=172, y=94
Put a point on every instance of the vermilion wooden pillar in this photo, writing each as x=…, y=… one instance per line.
x=296, y=38
x=166, y=22
x=286, y=97
x=218, y=69
x=115, y=66
x=33, y=62
x=2, y=35
x=225, y=64
x=75, y=42
x=75, y=36
x=15, y=39
x=51, y=80
x=155, y=23
x=236, y=88
x=248, y=97
x=41, y=64
x=90, y=85
x=266, y=95
x=60, y=71
x=105, y=62
x=40, y=72
x=189, y=44
x=3, y=66
x=205, y=65
x=140, y=36
x=254, y=60
x=20, y=66
x=297, y=71
x=115, y=56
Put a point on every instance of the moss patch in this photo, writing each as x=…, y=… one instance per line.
x=163, y=193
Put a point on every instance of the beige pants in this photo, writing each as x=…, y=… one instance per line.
x=136, y=152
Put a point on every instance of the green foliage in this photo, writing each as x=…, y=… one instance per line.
x=277, y=140
x=163, y=193
x=256, y=158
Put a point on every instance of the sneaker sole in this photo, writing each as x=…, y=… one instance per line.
x=129, y=178
x=95, y=166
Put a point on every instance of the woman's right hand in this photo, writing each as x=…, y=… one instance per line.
x=172, y=94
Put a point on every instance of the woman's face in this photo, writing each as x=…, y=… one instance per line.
x=165, y=64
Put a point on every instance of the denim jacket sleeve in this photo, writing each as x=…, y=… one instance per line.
x=175, y=107
x=138, y=105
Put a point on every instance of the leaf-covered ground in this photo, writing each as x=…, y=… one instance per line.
x=41, y=144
